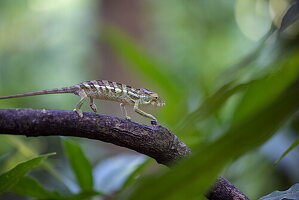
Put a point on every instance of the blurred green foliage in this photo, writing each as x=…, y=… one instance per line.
x=226, y=94
x=80, y=165
x=12, y=177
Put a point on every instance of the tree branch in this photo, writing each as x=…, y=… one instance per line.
x=224, y=190
x=154, y=141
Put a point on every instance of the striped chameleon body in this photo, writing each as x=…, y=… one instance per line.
x=106, y=90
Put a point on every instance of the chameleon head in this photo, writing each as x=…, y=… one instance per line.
x=152, y=98
x=156, y=100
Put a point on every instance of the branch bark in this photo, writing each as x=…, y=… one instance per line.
x=154, y=141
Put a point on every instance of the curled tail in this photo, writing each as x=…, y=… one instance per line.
x=71, y=89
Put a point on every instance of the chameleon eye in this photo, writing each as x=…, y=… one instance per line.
x=154, y=95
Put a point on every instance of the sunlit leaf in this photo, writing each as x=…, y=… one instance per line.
x=10, y=178
x=291, y=193
x=23, y=148
x=30, y=187
x=110, y=174
x=4, y=158
x=80, y=165
x=295, y=144
x=131, y=179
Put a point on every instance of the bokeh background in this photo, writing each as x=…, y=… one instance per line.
x=183, y=50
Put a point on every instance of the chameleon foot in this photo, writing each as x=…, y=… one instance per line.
x=79, y=112
x=128, y=118
x=154, y=123
x=93, y=107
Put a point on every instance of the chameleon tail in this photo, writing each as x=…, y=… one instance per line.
x=71, y=89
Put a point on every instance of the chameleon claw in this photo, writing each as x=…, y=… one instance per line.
x=79, y=112
x=93, y=108
x=128, y=118
x=154, y=122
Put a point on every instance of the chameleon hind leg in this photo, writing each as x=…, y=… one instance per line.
x=93, y=105
x=141, y=112
x=80, y=103
x=124, y=111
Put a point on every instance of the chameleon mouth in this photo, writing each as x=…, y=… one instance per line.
x=161, y=104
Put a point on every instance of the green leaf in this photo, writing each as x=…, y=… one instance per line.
x=296, y=143
x=11, y=177
x=86, y=195
x=192, y=177
x=4, y=158
x=265, y=90
x=212, y=104
x=131, y=179
x=26, y=151
x=80, y=165
x=291, y=193
x=30, y=187
x=129, y=50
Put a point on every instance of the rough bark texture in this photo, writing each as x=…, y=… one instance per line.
x=154, y=141
x=224, y=190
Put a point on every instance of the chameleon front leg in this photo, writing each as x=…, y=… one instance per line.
x=79, y=104
x=141, y=112
x=124, y=111
x=93, y=105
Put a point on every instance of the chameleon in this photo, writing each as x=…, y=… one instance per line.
x=106, y=90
